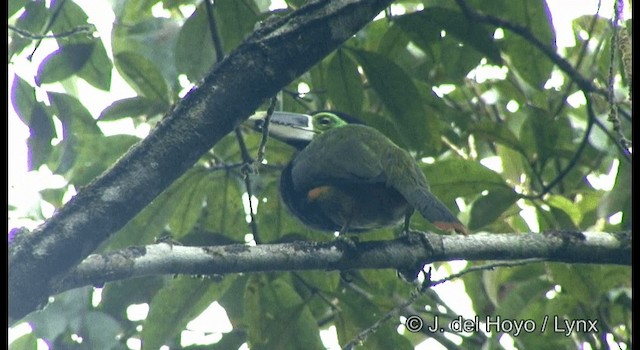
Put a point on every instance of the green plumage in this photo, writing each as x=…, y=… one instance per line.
x=352, y=178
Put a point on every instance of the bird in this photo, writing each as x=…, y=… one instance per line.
x=347, y=177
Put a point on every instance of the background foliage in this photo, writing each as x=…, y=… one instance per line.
x=527, y=138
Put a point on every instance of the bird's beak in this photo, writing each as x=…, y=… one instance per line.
x=292, y=128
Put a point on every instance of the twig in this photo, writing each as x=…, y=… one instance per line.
x=265, y=130
x=213, y=30
x=29, y=35
x=581, y=56
x=576, y=156
x=525, y=33
x=613, y=110
x=54, y=16
x=362, y=336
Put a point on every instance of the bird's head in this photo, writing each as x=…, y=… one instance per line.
x=297, y=129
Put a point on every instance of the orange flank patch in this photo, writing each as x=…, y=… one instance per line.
x=317, y=192
x=451, y=226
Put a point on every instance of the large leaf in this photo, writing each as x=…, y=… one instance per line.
x=344, y=84
x=453, y=178
x=37, y=118
x=189, y=205
x=424, y=28
x=132, y=107
x=33, y=20
x=63, y=63
x=236, y=19
x=95, y=67
x=530, y=63
x=224, y=210
x=488, y=208
x=144, y=53
x=143, y=76
x=496, y=132
x=77, y=123
x=151, y=222
x=356, y=314
x=194, y=50
x=175, y=305
x=400, y=95
x=278, y=318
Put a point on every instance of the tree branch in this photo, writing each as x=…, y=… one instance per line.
x=163, y=258
x=584, y=84
x=274, y=55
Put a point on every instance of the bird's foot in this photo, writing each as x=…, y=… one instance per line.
x=168, y=239
x=414, y=238
x=348, y=245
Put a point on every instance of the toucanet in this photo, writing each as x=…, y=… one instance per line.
x=349, y=177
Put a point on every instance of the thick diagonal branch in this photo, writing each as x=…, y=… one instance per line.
x=274, y=55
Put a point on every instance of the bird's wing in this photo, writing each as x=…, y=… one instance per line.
x=360, y=154
x=406, y=177
x=342, y=155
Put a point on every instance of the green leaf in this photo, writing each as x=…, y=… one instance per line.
x=63, y=313
x=619, y=199
x=529, y=62
x=14, y=6
x=33, y=20
x=143, y=76
x=133, y=11
x=97, y=71
x=132, y=107
x=195, y=54
x=224, y=211
x=496, y=132
x=189, y=206
x=100, y=331
x=117, y=296
x=94, y=67
x=95, y=155
x=41, y=132
x=424, y=28
x=73, y=115
x=26, y=342
x=236, y=20
x=400, y=95
x=539, y=134
x=344, y=84
x=454, y=178
x=277, y=317
x=567, y=206
x=357, y=313
x=487, y=209
x=23, y=98
x=35, y=115
x=77, y=122
x=63, y=63
x=151, y=222
x=148, y=49
x=175, y=305
x=394, y=41
x=516, y=301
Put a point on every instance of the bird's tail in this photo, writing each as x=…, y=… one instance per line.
x=434, y=210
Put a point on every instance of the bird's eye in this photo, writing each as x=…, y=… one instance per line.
x=325, y=121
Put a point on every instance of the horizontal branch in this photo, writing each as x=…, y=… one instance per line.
x=164, y=258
